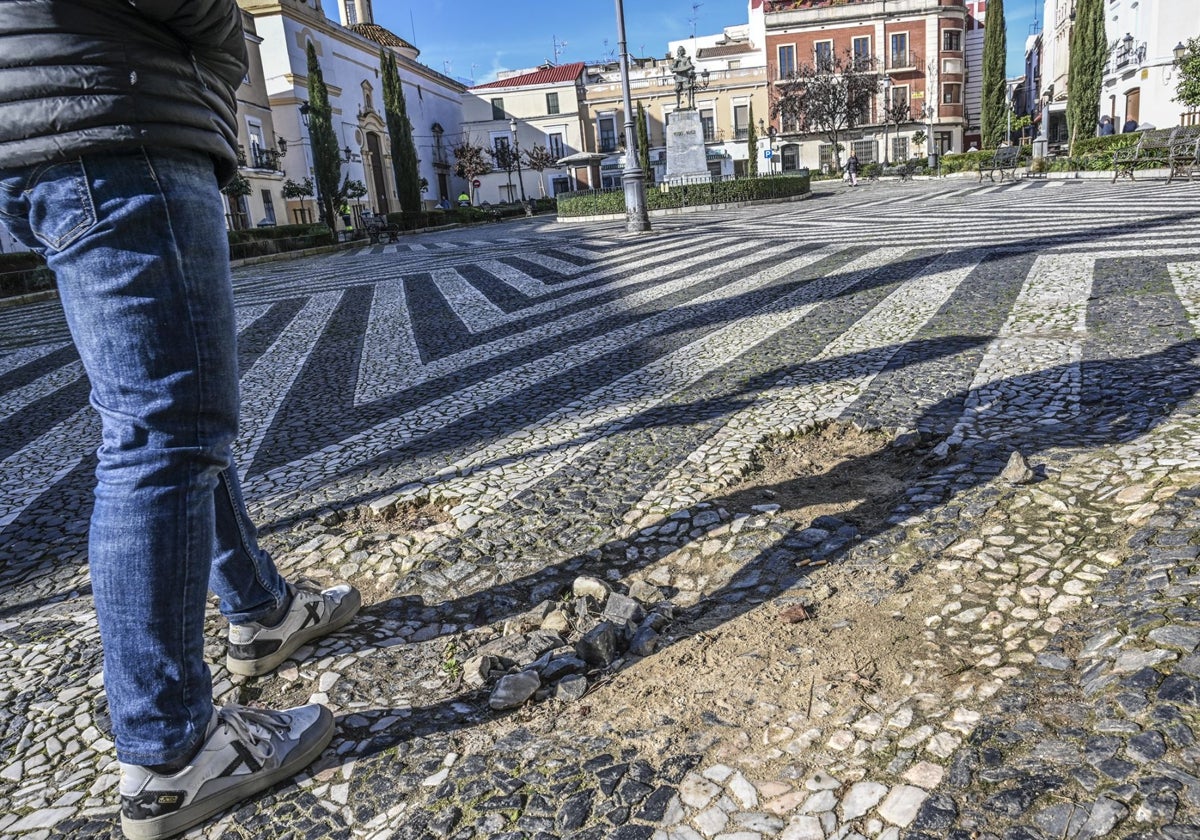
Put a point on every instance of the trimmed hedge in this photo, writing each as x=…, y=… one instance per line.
x=22, y=273
x=257, y=242
x=612, y=202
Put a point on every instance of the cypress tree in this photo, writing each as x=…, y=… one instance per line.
x=643, y=142
x=752, y=145
x=404, y=150
x=994, y=105
x=1086, y=72
x=327, y=159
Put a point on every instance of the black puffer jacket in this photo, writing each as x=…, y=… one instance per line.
x=82, y=76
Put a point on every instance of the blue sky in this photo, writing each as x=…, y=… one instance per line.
x=473, y=39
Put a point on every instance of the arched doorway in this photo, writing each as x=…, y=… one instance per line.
x=374, y=150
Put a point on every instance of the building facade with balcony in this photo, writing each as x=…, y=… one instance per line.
x=545, y=107
x=259, y=150
x=348, y=51
x=1140, y=77
x=731, y=92
x=918, y=50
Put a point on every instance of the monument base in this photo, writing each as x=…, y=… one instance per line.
x=687, y=162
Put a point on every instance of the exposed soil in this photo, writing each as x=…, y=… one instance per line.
x=808, y=657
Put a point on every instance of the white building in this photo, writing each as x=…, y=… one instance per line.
x=539, y=107
x=348, y=51
x=1139, y=78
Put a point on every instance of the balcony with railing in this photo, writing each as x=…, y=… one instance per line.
x=1128, y=53
x=266, y=159
x=902, y=61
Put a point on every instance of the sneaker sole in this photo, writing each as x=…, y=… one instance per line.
x=312, y=743
x=265, y=664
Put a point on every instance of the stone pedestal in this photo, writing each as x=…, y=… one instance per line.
x=686, y=160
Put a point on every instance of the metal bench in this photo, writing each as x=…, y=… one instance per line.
x=1153, y=148
x=903, y=171
x=1004, y=159
x=1184, y=155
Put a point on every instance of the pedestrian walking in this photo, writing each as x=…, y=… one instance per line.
x=119, y=130
x=852, y=169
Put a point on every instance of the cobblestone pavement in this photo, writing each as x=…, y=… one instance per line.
x=577, y=399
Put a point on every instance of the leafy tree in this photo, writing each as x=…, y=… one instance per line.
x=830, y=99
x=327, y=158
x=471, y=161
x=404, y=151
x=752, y=144
x=993, y=112
x=539, y=159
x=1089, y=51
x=302, y=190
x=506, y=159
x=1187, y=92
x=643, y=143
x=238, y=187
x=895, y=112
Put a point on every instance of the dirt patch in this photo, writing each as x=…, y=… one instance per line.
x=758, y=684
x=839, y=470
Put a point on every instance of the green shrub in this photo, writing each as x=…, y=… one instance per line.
x=1106, y=145
x=258, y=242
x=612, y=202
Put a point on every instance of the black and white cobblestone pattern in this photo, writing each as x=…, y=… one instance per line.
x=1080, y=355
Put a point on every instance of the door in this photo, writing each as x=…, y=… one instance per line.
x=377, y=181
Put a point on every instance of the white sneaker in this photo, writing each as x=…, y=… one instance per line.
x=255, y=649
x=245, y=751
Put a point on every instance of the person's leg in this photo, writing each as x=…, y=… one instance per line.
x=138, y=247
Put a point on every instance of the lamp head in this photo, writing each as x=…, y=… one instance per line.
x=346, y=151
x=282, y=146
x=1179, y=51
x=305, y=109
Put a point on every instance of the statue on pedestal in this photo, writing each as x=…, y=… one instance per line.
x=685, y=79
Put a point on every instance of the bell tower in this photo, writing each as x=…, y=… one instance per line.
x=355, y=11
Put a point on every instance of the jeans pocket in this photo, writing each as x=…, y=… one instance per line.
x=60, y=204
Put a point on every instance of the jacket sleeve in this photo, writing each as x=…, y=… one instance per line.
x=212, y=29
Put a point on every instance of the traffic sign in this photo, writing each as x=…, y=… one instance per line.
x=477, y=183
x=767, y=153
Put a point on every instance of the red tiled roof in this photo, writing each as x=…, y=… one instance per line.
x=379, y=35
x=544, y=76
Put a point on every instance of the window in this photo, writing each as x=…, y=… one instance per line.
x=741, y=122
x=367, y=95
x=865, y=150
x=555, y=142
x=607, y=129
x=708, y=122
x=823, y=54
x=734, y=65
x=951, y=93
x=268, y=206
x=790, y=157
x=351, y=12
x=862, y=52
x=787, y=61
x=899, y=148
x=551, y=103
x=899, y=50
x=952, y=40
x=500, y=142
x=826, y=157
x=497, y=109
x=899, y=99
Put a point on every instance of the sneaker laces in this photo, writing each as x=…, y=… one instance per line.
x=257, y=728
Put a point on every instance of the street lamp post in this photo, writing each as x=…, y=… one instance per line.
x=637, y=219
x=512, y=125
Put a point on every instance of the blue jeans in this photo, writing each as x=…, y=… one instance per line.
x=137, y=243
